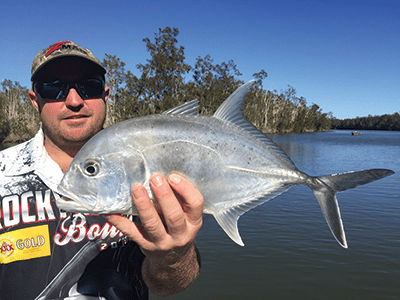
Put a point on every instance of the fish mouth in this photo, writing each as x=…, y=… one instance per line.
x=69, y=205
x=64, y=193
x=67, y=202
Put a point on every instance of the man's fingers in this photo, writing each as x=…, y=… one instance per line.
x=182, y=218
x=193, y=202
x=147, y=213
x=130, y=229
x=172, y=211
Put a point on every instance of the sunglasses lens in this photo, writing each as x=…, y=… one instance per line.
x=51, y=90
x=90, y=88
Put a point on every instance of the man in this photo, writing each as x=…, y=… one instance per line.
x=48, y=254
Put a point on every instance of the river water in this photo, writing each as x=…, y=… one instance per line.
x=289, y=251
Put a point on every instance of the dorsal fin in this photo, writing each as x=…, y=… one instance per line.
x=231, y=110
x=188, y=108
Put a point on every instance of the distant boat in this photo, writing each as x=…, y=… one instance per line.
x=356, y=133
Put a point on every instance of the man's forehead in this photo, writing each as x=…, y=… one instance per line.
x=67, y=69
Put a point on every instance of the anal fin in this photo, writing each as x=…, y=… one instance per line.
x=228, y=220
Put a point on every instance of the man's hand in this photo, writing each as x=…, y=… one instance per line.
x=167, y=232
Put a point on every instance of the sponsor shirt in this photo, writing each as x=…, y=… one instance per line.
x=48, y=254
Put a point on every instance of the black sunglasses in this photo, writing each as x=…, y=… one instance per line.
x=87, y=88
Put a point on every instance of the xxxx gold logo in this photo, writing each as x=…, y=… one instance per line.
x=24, y=244
x=6, y=247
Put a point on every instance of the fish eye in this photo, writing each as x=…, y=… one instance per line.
x=91, y=168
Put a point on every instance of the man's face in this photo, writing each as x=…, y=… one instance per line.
x=71, y=121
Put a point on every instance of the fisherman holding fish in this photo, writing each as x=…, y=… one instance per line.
x=46, y=253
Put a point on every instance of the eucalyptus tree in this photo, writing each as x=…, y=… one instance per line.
x=18, y=119
x=161, y=83
x=117, y=79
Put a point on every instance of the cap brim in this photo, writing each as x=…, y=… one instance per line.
x=93, y=66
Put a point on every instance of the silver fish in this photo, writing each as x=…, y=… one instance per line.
x=233, y=164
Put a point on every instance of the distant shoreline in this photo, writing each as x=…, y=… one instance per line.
x=8, y=144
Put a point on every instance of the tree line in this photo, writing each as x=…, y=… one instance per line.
x=165, y=81
x=384, y=122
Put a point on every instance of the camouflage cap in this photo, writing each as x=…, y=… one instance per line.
x=63, y=49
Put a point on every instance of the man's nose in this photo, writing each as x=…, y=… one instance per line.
x=73, y=99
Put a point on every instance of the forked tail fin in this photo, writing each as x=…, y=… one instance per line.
x=326, y=187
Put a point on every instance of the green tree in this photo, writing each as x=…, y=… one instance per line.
x=161, y=84
x=212, y=84
x=257, y=102
x=19, y=120
x=117, y=79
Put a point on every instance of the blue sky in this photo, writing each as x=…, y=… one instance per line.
x=343, y=55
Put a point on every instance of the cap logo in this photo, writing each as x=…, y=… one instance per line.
x=55, y=47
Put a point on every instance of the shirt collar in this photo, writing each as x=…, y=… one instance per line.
x=32, y=157
x=28, y=156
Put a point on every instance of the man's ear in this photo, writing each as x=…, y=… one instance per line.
x=106, y=93
x=34, y=99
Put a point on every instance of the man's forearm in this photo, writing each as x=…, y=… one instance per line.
x=165, y=279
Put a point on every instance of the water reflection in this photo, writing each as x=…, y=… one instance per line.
x=303, y=154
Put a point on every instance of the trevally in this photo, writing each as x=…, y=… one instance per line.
x=233, y=164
